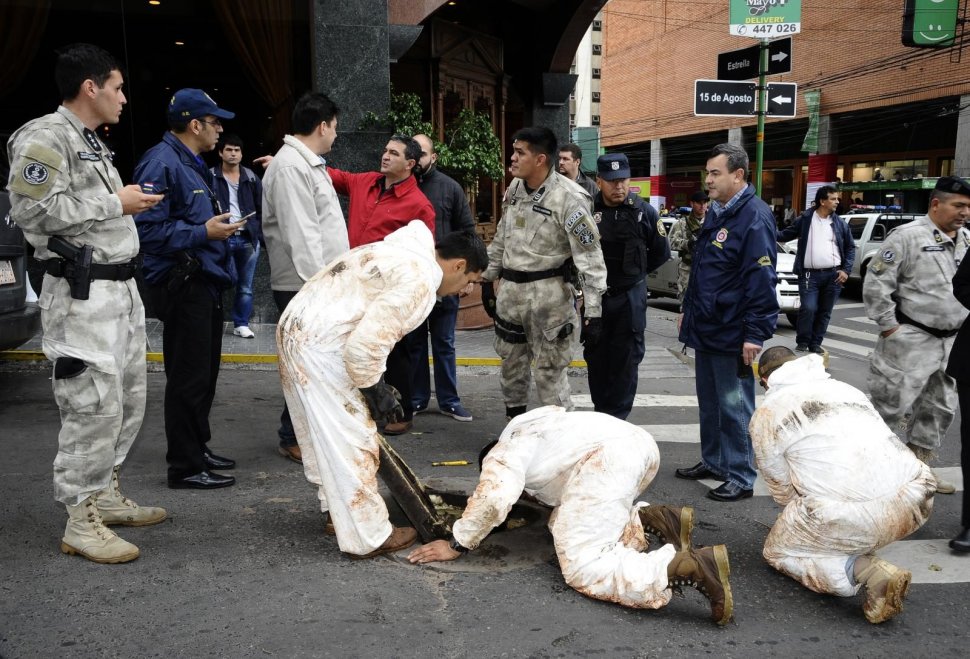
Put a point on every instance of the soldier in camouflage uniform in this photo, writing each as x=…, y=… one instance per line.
x=908, y=291
x=546, y=231
x=683, y=236
x=63, y=186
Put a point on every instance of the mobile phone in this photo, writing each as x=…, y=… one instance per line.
x=246, y=217
x=744, y=370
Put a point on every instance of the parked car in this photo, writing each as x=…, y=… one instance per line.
x=19, y=320
x=663, y=281
x=869, y=230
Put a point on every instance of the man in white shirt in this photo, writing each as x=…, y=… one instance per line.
x=303, y=224
x=823, y=262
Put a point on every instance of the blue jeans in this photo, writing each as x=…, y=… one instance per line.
x=244, y=254
x=725, y=403
x=441, y=326
x=818, y=292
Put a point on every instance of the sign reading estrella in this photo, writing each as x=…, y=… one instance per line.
x=765, y=19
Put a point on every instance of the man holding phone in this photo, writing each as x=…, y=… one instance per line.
x=187, y=266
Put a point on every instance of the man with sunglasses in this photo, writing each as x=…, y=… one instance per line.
x=187, y=266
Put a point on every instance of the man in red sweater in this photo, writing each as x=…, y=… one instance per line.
x=380, y=203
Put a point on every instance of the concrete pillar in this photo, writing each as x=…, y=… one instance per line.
x=736, y=136
x=822, y=166
x=550, y=105
x=961, y=163
x=828, y=137
x=659, y=188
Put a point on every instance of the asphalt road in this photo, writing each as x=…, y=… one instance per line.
x=248, y=572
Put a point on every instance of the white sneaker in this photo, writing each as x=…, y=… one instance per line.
x=244, y=332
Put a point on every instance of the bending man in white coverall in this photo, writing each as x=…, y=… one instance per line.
x=333, y=339
x=591, y=467
x=849, y=486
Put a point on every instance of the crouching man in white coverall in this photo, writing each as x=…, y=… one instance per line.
x=849, y=486
x=333, y=339
x=591, y=467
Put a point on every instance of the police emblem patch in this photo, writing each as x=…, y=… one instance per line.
x=615, y=166
x=586, y=237
x=889, y=256
x=35, y=173
x=660, y=228
x=597, y=217
x=721, y=235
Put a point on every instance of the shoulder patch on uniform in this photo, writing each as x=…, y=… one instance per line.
x=660, y=228
x=44, y=155
x=36, y=170
x=597, y=217
x=586, y=236
x=889, y=256
x=764, y=260
x=573, y=219
x=35, y=173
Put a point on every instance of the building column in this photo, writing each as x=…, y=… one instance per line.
x=736, y=136
x=961, y=161
x=822, y=166
x=659, y=189
x=550, y=106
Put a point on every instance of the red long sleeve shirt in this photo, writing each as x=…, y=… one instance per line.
x=373, y=215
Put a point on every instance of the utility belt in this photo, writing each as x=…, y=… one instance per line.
x=77, y=267
x=938, y=333
x=618, y=290
x=509, y=332
x=522, y=277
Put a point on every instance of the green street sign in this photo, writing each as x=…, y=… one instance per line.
x=765, y=19
x=930, y=23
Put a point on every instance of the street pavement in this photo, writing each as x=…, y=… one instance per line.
x=248, y=572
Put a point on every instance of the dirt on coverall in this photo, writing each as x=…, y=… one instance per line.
x=590, y=467
x=333, y=339
x=849, y=486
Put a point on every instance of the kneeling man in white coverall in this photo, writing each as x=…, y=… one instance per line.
x=591, y=467
x=849, y=486
x=333, y=339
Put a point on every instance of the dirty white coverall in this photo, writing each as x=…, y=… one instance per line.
x=849, y=486
x=590, y=467
x=333, y=339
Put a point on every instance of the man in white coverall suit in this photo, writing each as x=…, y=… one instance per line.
x=333, y=339
x=849, y=486
x=591, y=467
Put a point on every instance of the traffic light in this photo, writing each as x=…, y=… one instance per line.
x=930, y=23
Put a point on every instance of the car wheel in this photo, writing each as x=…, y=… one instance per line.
x=792, y=318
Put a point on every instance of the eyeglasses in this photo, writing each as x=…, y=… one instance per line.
x=214, y=122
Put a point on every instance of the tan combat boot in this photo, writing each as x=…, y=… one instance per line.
x=886, y=586
x=706, y=569
x=87, y=535
x=671, y=524
x=117, y=509
x=924, y=455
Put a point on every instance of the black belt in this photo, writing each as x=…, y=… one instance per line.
x=820, y=269
x=617, y=290
x=111, y=271
x=509, y=332
x=938, y=333
x=521, y=277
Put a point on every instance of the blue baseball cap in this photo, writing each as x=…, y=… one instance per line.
x=613, y=166
x=189, y=104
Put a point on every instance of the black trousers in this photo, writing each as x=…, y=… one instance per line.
x=286, y=434
x=192, y=350
x=399, y=372
x=963, y=391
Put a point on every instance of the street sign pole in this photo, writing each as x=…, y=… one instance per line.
x=762, y=106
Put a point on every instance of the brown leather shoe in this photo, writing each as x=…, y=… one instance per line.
x=706, y=569
x=671, y=524
x=292, y=452
x=328, y=525
x=398, y=427
x=400, y=538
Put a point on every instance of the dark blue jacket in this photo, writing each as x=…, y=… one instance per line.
x=177, y=223
x=800, y=228
x=731, y=298
x=250, y=199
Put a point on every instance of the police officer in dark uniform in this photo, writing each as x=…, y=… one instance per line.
x=634, y=244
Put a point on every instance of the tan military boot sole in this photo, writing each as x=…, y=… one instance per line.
x=881, y=609
x=723, y=572
x=120, y=558
x=653, y=526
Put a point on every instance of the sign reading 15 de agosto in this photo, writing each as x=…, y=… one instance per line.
x=765, y=19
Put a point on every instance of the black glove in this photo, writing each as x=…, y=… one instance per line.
x=384, y=402
x=592, y=331
x=489, y=300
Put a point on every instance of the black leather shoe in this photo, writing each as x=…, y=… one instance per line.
x=801, y=347
x=816, y=349
x=204, y=480
x=213, y=461
x=729, y=492
x=961, y=543
x=695, y=473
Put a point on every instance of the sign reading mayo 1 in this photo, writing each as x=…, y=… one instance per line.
x=765, y=19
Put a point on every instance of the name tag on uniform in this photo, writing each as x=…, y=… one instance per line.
x=935, y=248
x=541, y=210
x=84, y=155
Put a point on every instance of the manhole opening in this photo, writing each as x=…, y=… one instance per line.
x=451, y=505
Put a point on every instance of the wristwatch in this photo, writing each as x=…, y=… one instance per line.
x=456, y=546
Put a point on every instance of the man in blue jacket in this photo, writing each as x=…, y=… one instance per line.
x=729, y=310
x=823, y=263
x=187, y=266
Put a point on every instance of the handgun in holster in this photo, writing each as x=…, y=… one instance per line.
x=77, y=269
x=183, y=271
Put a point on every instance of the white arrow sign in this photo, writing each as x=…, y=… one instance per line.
x=779, y=57
x=781, y=99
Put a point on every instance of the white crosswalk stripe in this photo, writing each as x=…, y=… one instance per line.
x=952, y=474
x=863, y=319
x=930, y=561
